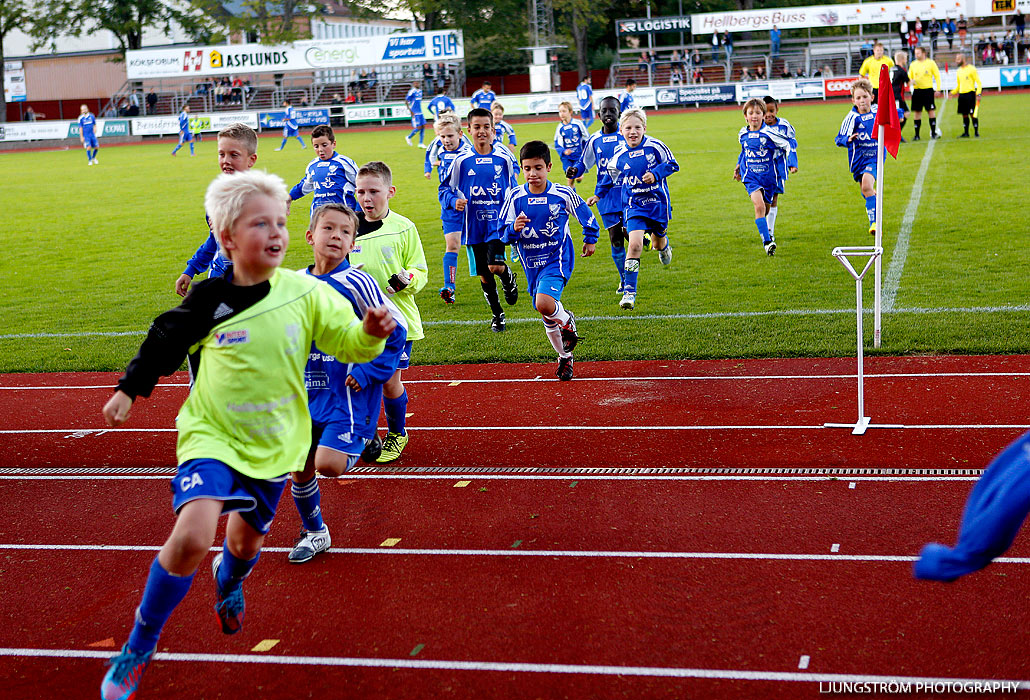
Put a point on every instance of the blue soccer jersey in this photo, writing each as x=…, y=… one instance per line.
x=328, y=181
x=207, y=257
x=786, y=130
x=627, y=168
x=451, y=219
x=290, y=122
x=625, y=100
x=483, y=181
x=329, y=397
x=483, y=98
x=862, y=149
x=598, y=151
x=504, y=132
x=570, y=137
x=414, y=102
x=184, y=127
x=545, y=244
x=761, y=154
x=87, y=123
x=585, y=95
x=441, y=103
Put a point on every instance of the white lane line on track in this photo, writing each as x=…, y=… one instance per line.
x=665, y=378
x=1006, y=308
x=517, y=667
x=542, y=477
x=537, y=553
x=99, y=432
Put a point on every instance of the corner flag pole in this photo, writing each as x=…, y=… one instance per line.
x=878, y=243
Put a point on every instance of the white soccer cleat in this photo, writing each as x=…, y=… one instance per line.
x=407, y=140
x=629, y=300
x=770, y=248
x=422, y=146
x=309, y=543
x=665, y=254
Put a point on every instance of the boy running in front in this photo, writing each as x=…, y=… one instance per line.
x=641, y=166
x=856, y=134
x=390, y=250
x=343, y=397
x=476, y=186
x=760, y=148
x=536, y=222
x=245, y=424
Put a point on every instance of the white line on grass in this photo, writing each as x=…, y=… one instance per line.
x=523, y=477
x=635, y=317
x=900, y=254
x=641, y=378
x=522, y=667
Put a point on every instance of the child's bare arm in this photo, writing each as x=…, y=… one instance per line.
x=116, y=410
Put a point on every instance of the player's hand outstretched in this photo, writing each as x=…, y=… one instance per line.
x=116, y=410
x=379, y=322
x=182, y=285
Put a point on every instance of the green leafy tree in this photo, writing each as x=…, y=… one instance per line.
x=277, y=22
x=126, y=19
x=13, y=14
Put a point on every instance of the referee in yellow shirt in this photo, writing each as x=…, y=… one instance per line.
x=925, y=77
x=871, y=67
x=968, y=88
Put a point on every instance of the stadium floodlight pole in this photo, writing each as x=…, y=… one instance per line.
x=844, y=254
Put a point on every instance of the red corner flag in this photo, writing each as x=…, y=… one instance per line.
x=887, y=114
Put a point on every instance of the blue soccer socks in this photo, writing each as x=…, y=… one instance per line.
x=763, y=229
x=870, y=208
x=629, y=280
x=395, y=412
x=619, y=258
x=232, y=570
x=450, y=268
x=308, y=499
x=163, y=592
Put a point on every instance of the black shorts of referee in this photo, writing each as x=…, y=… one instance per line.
x=922, y=98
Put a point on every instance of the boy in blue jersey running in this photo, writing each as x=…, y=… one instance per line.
x=569, y=138
x=856, y=134
x=598, y=151
x=484, y=97
x=343, y=398
x=88, y=135
x=418, y=120
x=761, y=147
x=329, y=177
x=476, y=186
x=237, y=152
x=784, y=166
x=441, y=103
x=641, y=166
x=585, y=95
x=185, y=134
x=446, y=147
x=626, y=96
x=504, y=131
x=290, y=130
x=536, y=222
x=245, y=424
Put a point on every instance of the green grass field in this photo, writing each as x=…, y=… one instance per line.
x=93, y=252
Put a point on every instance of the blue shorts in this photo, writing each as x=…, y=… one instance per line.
x=256, y=499
x=768, y=185
x=289, y=132
x=90, y=141
x=645, y=223
x=418, y=121
x=568, y=161
x=185, y=137
x=548, y=283
x=405, y=358
x=609, y=219
x=858, y=172
x=453, y=220
x=337, y=436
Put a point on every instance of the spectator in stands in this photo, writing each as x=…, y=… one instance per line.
x=698, y=76
x=110, y=112
x=676, y=74
x=237, y=90
x=429, y=77
x=963, y=29
x=745, y=75
x=1020, y=25
x=935, y=30
x=123, y=109
x=716, y=43
x=913, y=42
x=30, y=114
x=727, y=44
x=337, y=100
x=918, y=29
x=866, y=50
x=948, y=25
x=134, y=103
x=696, y=59
x=785, y=73
x=774, y=41
x=760, y=72
x=151, y=102
x=372, y=78
x=903, y=31
x=827, y=71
